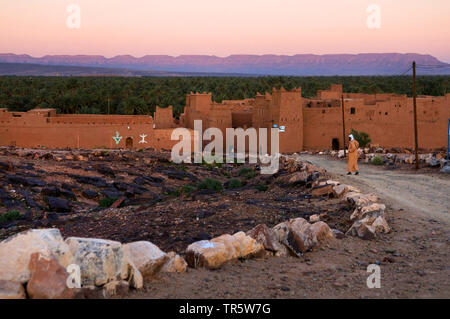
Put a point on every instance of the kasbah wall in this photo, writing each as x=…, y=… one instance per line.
x=309, y=124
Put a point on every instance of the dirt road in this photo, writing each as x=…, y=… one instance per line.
x=425, y=194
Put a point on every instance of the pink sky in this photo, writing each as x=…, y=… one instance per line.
x=213, y=27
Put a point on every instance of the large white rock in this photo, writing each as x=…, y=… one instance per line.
x=100, y=261
x=342, y=189
x=16, y=250
x=232, y=246
x=207, y=254
x=310, y=235
x=175, y=263
x=264, y=235
x=372, y=210
x=321, y=232
x=147, y=257
x=380, y=225
x=299, y=236
x=280, y=233
x=248, y=247
x=214, y=253
x=359, y=199
x=368, y=227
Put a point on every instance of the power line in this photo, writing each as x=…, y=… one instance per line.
x=403, y=73
x=442, y=66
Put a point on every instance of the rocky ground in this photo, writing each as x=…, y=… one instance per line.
x=131, y=196
x=156, y=200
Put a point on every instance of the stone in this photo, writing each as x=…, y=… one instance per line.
x=33, y=181
x=175, y=263
x=58, y=204
x=372, y=210
x=280, y=233
x=380, y=225
x=299, y=225
x=446, y=169
x=118, y=202
x=321, y=232
x=247, y=246
x=359, y=199
x=11, y=290
x=100, y=261
x=105, y=170
x=341, y=153
x=433, y=162
x=232, y=246
x=15, y=252
x=314, y=218
x=135, y=278
x=338, y=234
x=342, y=189
x=295, y=243
x=324, y=190
x=147, y=257
x=361, y=230
x=51, y=191
x=81, y=158
x=48, y=279
x=310, y=235
x=213, y=253
x=297, y=178
x=207, y=254
x=265, y=236
x=89, y=194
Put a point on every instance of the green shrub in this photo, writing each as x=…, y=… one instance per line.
x=226, y=173
x=211, y=165
x=10, y=216
x=211, y=184
x=250, y=175
x=106, y=202
x=377, y=160
x=234, y=183
x=184, y=190
x=262, y=187
x=362, y=138
x=245, y=171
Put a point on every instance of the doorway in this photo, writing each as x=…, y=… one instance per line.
x=129, y=142
x=335, y=144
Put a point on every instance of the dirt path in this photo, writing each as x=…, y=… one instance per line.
x=425, y=194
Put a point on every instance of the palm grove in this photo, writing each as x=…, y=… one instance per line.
x=140, y=95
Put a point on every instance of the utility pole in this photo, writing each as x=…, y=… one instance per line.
x=416, y=143
x=448, y=144
x=343, y=122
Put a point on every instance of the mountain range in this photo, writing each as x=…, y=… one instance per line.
x=165, y=65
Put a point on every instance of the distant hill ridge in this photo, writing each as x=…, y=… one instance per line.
x=300, y=64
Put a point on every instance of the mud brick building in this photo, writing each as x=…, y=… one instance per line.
x=314, y=123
